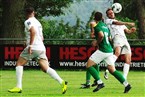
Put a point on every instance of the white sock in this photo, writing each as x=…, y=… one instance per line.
x=54, y=75
x=99, y=81
x=125, y=70
x=19, y=74
x=125, y=83
x=106, y=71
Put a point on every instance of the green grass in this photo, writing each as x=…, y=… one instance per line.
x=39, y=84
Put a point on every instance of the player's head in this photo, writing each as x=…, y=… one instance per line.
x=98, y=16
x=29, y=11
x=110, y=14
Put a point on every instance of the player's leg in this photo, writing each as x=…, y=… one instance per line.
x=94, y=60
x=97, y=67
x=87, y=84
x=126, y=65
x=117, y=74
x=127, y=52
x=45, y=67
x=19, y=73
x=106, y=74
x=121, y=79
x=88, y=77
x=118, y=42
x=95, y=75
x=117, y=50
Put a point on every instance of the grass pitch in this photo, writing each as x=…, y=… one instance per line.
x=38, y=84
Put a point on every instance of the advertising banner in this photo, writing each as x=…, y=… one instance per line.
x=68, y=56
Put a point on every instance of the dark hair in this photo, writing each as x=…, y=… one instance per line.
x=29, y=10
x=108, y=10
x=98, y=16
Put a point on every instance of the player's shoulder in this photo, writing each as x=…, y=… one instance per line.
x=109, y=21
x=26, y=21
x=93, y=24
x=29, y=21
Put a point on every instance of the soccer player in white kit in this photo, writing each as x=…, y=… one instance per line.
x=35, y=49
x=120, y=43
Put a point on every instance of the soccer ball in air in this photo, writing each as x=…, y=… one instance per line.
x=116, y=7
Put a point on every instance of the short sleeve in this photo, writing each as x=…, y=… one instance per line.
x=28, y=24
x=109, y=21
x=124, y=27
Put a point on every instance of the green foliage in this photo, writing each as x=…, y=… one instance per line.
x=128, y=14
x=48, y=7
x=15, y=9
x=132, y=35
x=129, y=9
x=60, y=30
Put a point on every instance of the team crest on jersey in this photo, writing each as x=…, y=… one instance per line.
x=28, y=23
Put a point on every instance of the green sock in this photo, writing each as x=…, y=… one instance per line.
x=97, y=67
x=118, y=76
x=94, y=73
x=88, y=77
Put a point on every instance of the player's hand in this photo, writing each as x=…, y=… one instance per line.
x=94, y=43
x=92, y=35
x=133, y=29
x=30, y=50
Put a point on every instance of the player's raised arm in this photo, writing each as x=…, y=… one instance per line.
x=92, y=25
x=131, y=30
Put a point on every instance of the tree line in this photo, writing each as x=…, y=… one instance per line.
x=12, y=18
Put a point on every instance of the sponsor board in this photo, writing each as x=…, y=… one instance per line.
x=68, y=56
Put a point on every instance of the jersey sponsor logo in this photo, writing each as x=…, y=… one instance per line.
x=28, y=23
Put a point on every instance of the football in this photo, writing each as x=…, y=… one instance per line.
x=116, y=7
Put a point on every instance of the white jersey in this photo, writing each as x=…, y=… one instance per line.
x=38, y=40
x=118, y=36
x=116, y=29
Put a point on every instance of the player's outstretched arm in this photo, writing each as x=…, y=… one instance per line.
x=131, y=30
x=123, y=23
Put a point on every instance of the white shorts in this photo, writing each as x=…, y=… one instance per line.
x=36, y=54
x=123, y=43
x=99, y=56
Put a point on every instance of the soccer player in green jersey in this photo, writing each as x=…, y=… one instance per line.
x=104, y=53
x=88, y=75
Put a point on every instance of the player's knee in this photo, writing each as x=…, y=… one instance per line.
x=128, y=62
x=111, y=68
x=89, y=65
x=117, y=53
x=44, y=70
